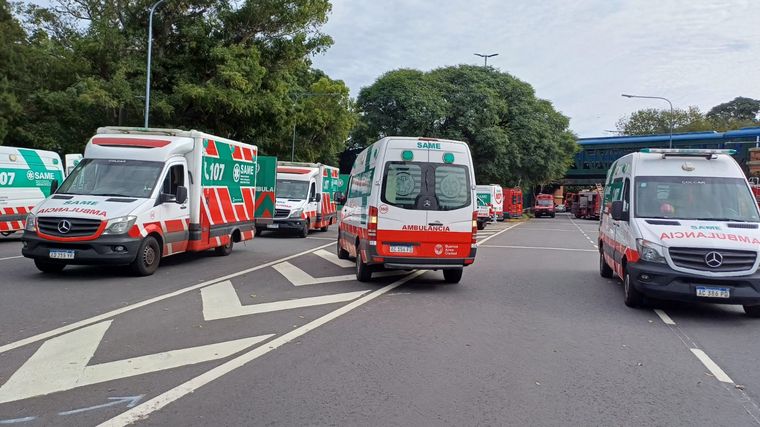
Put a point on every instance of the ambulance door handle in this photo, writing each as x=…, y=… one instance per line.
x=437, y=223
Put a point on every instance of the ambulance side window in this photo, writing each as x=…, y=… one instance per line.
x=312, y=191
x=627, y=195
x=175, y=177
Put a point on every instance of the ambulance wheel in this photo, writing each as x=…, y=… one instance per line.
x=323, y=229
x=632, y=297
x=258, y=232
x=226, y=249
x=342, y=253
x=363, y=272
x=481, y=225
x=304, y=231
x=752, y=310
x=48, y=267
x=552, y=215
x=148, y=257
x=453, y=275
x=604, y=269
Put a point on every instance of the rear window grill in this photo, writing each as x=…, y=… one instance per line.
x=79, y=227
x=695, y=259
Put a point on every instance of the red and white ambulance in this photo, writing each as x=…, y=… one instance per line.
x=142, y=194
x=410, y=204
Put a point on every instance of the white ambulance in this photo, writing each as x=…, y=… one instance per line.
x=493, y=197
x=139, y=195
x=681, y=225
x=410, y=204
x=26, y=178
x=305, y=194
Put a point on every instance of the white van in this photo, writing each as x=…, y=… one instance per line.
x=26, y=178
x=493, y=197
x=681, y=225
x=410, y=204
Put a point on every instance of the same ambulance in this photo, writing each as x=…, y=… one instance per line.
x=306, y=195
x=26, y=178
x=681, y=225
x=411, y=204
x=142, y=194
x=493, y=196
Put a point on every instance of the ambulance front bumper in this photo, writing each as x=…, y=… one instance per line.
x=285, y=224
x=113, y=250
x=660, y=281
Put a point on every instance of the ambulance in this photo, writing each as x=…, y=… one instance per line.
x=493, y=196
x=306, y=194
x=26, y=178
x=411, y=204
x=142, y=194
x=681, y=225
x=484, y=211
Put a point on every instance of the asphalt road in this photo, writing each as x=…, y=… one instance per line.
x=279, y=333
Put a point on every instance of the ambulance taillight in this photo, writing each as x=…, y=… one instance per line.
x=372, y=225
x=474, y=228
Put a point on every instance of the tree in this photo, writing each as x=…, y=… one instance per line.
x=653, y=121
x=740, y=110
x=514, y=137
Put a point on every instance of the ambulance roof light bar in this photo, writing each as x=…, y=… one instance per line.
x=688, y=152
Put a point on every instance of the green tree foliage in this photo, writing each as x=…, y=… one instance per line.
x=514, y=136
x=234, y=69
x=740, y=111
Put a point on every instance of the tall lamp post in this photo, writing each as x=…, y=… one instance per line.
x=485, y=57
x=150, y=51
x=664, y=99
x=295, y=100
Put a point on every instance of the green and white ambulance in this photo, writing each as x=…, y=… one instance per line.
x=26, y=178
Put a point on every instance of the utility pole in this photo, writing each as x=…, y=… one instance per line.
x=485, y=57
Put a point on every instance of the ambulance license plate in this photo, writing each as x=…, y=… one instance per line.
x=704, y=291
x=273, y=225
x=402, y=249
x=61, y=254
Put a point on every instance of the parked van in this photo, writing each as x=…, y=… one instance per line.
x=411, y=204
x=493, y=196
x=143, y=194
x=26, y=178
x=484, y=210
x=681, y=225
x=305, y=197
x=544, y=206
x=513, y=202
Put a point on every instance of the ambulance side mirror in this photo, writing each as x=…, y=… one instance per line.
x=617, y=211
x=54, y=186
x=181, y=194
x=316, y=198
x=339, y=198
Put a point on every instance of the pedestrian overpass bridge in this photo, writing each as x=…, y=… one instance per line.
x=596, y=155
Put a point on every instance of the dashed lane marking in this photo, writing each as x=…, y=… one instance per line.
x=664, y=316
x=713, y=367
x=498, y=233
x=334, y=239
x=593, y=243
x=11, y=257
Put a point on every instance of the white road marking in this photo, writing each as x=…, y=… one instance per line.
x=131, y=401
x=537, y=248
x=711, y=366
x=220, y=301
x=143, y=410
x=61, y=363
x=494, y=235
x=18, y=420
x=664, y=316
x=546, y=229
x=298, y=277
x=113, y=313
x=329, y=256
x=593, y=243
x=333, y=239
x=11, y=257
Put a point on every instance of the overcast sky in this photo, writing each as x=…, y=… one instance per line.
x=580, y=55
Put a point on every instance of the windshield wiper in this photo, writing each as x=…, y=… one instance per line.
x=108, y=195
x=721, y=219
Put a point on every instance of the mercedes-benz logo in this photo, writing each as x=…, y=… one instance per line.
x=714, y=259
x=64, y=226
x=427, y=203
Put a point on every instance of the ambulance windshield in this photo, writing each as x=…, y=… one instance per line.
x=426, y=186
x=114, y=178
x=291, y=189
x=544, y=202
x=694, y=198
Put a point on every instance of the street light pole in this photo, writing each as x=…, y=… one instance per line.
x=661, y=98
x=485, y=57
x=150, y=51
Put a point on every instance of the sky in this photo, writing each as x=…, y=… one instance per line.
x=579, y=54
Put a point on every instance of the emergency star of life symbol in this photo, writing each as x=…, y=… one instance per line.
x=30, y=175
x=714, y=259
x=236, y=173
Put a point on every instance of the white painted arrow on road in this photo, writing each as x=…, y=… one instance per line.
x=298, y=277
x=220, y=301
x=61, y=363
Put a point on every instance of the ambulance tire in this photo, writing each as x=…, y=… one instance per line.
x=258, y=231
x=226, y=249
x=453, y=275
x=323, y=229
x=48, y=267
x=752, y=310
x=148, y=257
x=632, y=297
x=342, y=253
x=304, y=231
x=363, y=271
x=604, y=269
x=481, y=225
x=553, y=215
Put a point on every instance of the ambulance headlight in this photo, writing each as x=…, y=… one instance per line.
x=120, y=225
x=651, y=252
x=296, y=213
x=31, y=223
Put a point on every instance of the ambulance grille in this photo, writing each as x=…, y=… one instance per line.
x=696, y=259
x=80, y=227
x=281, y=213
